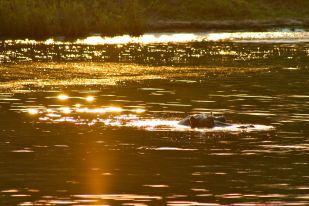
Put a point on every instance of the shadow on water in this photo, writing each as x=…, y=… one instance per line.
x=98, y=133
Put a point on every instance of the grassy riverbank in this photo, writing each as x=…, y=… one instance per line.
x=72, y=18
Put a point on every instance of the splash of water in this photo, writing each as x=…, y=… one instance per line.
x=115, y=117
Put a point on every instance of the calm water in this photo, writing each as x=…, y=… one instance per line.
x=94, y=121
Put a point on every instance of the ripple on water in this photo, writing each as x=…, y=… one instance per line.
x=169, y=149
x=119, y=197
x=257, y=113
x=116, y=117
x=190, y=203
x=107, y=94
x=156, y=186
x=287, y=148
x=26, y=150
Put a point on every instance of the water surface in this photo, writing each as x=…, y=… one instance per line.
x=96, y=124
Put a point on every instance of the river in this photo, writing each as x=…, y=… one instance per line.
x=94, y=121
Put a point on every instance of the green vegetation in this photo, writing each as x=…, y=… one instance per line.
x=41, y=18
x=71, y=18
x=230, y=9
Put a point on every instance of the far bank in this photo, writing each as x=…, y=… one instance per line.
x=79, y=18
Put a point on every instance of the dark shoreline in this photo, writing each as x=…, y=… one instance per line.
x=232, y=25
x=190, y=26
x=79, y=18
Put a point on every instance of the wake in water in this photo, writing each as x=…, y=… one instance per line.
x=173, y=125
x=113, y=117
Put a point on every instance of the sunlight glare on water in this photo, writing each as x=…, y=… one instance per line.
x=156, y=38
x=90, y=98
x=118, y=117
x=95, y=121
x=143, y=39
x=271, y=36
x=63, y=97
x=275, y=36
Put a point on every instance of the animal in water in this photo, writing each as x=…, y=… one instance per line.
x=206, y=121
x=203, y=120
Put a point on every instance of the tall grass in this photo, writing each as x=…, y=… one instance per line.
x=228, y=9
x=42, y=18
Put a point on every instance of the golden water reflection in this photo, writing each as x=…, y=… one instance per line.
x=155, y=38
x=89, y=98
x=113, y=116
x=143, y=200
x=143, y=39
x=89, y=74
x=63, y=97
x=87, y=199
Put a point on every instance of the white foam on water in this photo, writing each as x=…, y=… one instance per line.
x=113, y=119
x=172, y=125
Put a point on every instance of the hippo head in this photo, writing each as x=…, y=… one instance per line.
x=205, y=122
